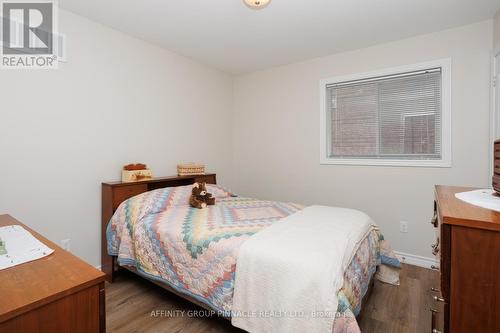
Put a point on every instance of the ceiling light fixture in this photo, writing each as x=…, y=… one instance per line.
x=257, y=4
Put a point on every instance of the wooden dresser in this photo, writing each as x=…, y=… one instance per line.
x=114, y=193
x=58, y=293
x=468, y=247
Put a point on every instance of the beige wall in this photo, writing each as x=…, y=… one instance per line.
x=496, y=41
x=276, y=124
x=117, y=100
x=496, y=32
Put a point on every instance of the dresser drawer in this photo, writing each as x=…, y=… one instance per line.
x=84, y=309
x=475, y=280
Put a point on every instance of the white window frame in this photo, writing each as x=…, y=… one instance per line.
x=444, y=162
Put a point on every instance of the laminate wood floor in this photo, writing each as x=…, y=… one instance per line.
x=136, y=305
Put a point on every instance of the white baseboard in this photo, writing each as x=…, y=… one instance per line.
x=98, y=267
x=412, y=259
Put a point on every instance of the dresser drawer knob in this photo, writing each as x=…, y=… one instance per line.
x=434, y=220
x=435, y=290
x=434, y=267
x=435, y=331
x=438, y=299
x=435, y=247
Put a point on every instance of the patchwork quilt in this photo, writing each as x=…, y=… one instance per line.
x=195, y=251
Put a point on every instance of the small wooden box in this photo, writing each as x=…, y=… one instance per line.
x=136, y=175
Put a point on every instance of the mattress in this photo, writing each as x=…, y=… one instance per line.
x=195, y=251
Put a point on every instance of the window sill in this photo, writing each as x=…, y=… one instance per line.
x=393, y=163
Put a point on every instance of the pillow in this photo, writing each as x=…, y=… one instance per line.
x=156, y=201
x=179, y=195
x=219, y=192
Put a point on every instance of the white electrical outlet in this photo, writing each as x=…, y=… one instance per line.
x=403, y=226
x=66, y=244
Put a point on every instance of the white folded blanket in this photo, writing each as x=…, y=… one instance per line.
x=288, y=275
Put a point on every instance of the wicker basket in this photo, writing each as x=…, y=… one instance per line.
x=190, y=169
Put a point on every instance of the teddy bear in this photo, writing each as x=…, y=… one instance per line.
x=200, y=197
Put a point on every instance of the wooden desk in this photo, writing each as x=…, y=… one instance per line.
x=58, y=293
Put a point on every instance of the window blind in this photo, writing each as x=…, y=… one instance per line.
x=395, y=117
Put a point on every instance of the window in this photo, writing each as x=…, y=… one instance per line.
x=395, y=117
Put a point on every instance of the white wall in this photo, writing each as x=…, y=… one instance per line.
x=276, y=123
x=117, y=100
x=495, y=100
x=496, y=31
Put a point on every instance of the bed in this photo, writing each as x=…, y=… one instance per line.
x=194, y=252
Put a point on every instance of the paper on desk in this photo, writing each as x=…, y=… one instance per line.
x=483, y=198
x=20, y=246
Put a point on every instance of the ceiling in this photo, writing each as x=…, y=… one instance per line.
x=228, y=35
